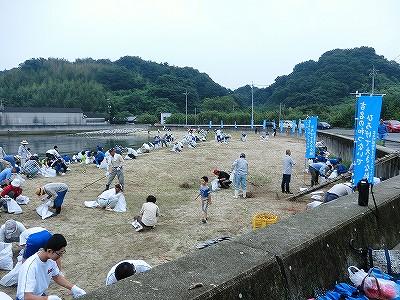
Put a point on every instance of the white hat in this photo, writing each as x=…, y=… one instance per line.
x=24, y=142
x=10, y=228
x=16, y=182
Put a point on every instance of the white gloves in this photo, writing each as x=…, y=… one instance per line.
x=53, y=297
x=77, y=291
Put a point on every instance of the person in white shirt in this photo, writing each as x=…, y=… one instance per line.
x=37, y=271
x=110, y=198
x=148, y=214
x=126, y=268
x=115, y=168
x=10, y=231
x=23, y=152
x=288, y=164
x=338, y=190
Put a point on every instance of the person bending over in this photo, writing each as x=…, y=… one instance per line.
x=126, y=268
x=37, y=271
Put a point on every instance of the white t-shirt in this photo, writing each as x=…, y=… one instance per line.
x=149, y=213
x=25, y=234
x=35, y=275
x=140, y=267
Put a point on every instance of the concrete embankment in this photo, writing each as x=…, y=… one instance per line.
x=292, y=259
x=16, y=130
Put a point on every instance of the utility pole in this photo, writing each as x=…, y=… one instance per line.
x=280, y=111
x=252, y=106
x=195, y=116
x=186, y=97
x=373, y=74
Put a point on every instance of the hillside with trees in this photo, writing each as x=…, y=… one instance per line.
x=127, y=86
x=323, y=87
x=133, y=86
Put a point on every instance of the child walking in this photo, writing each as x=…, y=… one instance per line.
x=205, y=197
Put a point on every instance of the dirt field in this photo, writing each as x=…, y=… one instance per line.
x=98, y=239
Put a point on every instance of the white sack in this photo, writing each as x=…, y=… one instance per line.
x=4, y=296
x=6, y=256
x=121, y=204
x=313, y=204
x=43, y=210
x=21, y=199
x=13, y=207
x=214, y=184
x=11, y=278
x=47, y=172
x=91, y=204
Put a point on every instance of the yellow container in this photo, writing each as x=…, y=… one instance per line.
x=264, y=219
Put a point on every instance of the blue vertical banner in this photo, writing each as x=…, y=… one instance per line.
x=368, y=111
x=235, y=125
x=222, y=124
x=264, y=124
x=281, y=126
x=293, y=127
x=310, y=131
x=274, y=125
x=299, y=128
x=210, y=124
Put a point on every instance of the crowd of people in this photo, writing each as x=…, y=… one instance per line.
x=39, y=261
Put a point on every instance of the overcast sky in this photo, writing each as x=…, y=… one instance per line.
x=236, y=42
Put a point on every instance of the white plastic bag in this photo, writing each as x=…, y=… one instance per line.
x=4, y=296
x=21, y=199
x=374, y=288
x=232, y=176
x=121, y=204
x=47, y=172
x=313, y=204
x=11, y=278
x=333, y=175
x=43, y=210
x=91, y=204
x=6, y=259
x=214, y=185
x=13, y=207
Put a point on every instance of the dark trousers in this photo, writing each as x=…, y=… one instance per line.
x=314, y=176
x=285, y=183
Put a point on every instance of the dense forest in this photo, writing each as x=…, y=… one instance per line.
x=133, y=86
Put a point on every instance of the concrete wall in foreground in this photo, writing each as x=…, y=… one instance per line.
x=292, y=259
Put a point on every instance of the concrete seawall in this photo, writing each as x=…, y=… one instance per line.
x=289, y=260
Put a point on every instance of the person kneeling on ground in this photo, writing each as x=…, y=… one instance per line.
x=37, y=271
x=148, y=214
x=10, y=231
x=53, y=192
x=126, y=268
x=338, y=190
x=109, y=198
x=223, y=179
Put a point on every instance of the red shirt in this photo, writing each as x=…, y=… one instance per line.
x=10, y=188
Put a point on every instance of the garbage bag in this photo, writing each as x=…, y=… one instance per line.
x=373, y=287
x=6, y=259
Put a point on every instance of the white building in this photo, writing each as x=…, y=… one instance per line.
x=164, y=116
x=28, y=116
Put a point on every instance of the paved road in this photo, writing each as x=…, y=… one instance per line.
x=392, y=141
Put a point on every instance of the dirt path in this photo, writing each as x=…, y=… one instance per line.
x=98, y=239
